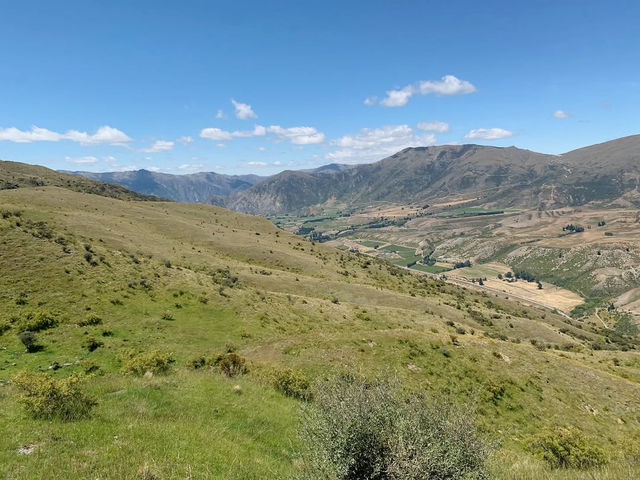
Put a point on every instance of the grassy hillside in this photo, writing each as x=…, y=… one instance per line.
x=193, y=280
x=19, y=175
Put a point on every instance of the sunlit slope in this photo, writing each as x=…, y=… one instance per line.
x=198, y=280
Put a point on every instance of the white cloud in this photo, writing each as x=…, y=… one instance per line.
x=258, y=131
x=185, y=139
x=220, y=145
x=488, y=134
x=110, y=159
x=560, y=114
x=298, y=135
x=447, y=85
x=87, y=159
x=374, y=144
x=243, y=111
x=159, y=146
x=191, y=167
x=257, y=164
x=262, y=149
x=220, y=114
x=215, y=134
x=104, y=135
x=434, y=126
x=154, y=169
x=277, y=162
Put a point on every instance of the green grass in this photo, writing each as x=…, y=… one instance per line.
x=294, y=305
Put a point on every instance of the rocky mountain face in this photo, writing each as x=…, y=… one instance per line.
x=502, y=176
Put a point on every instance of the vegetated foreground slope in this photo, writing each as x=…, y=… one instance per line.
x=509, y=176
x=18, y=175
x=103, y=281
x=204, y=187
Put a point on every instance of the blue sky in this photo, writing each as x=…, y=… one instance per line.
x=88, y=85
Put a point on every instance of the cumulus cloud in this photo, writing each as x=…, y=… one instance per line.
x=434, y=126
x=104, y=135
x=87, y=159
x=373, y=144
x=243, y=111
x=488, y=134
x=447, y=85
x=159, y=146
x=213, y=133
x=185, y=139
x=560, y=114
x=220, y=114
x=298, y=135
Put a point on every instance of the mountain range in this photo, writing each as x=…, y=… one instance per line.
x=505, y=176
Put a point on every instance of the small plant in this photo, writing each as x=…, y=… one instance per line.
x=232, y=365
x=46, y=397
x=292, y=383
x=30, y=341
x=198, y=362
x=90, y=321
x=567, y=448
x=4, y=326
x=92, y=344
x=167, y=316
x=154, y=361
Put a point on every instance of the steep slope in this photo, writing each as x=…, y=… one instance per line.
x=19, y=175
x=499, y=176
x=197, y=281
x=196, y=187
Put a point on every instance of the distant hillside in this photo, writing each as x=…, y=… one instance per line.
x=19, y=175
x=505, y=176
x=204, y=187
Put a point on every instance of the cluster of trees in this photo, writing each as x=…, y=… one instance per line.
x=520, y=275
x=466, y=263
x=572, y=228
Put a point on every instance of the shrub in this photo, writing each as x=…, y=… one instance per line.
x=232, y=364
x=198, y=362
x=46, y=397
x=4, y=326
x=292, y=383
x=567, y=448
x=92, y=344
x=90, y=321
x=37, y=321
x=30, y=341
x=153, y=361
x=361, y=430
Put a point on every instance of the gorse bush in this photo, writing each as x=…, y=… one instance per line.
x=90, y=321
x=46, y=397
x=567, y=448
x=292, y=383
x=356, y=430
x=37, y=321
x=154, y=361
x=232, y=365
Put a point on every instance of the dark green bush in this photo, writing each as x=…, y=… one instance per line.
x=90, y=321
x=46, y=397
x=92, y=344
x=358, y=430
x=567, y=448
x=30, y=341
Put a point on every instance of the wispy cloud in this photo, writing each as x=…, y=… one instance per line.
x=296, y=135
x=87, y=159
x=159, y=146
x=560, y=114
x=434, y=126
x=447, y=85
x=488, y=134
x=103, y=135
